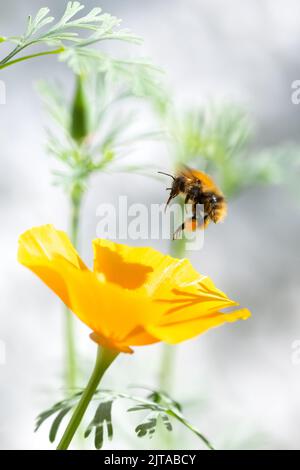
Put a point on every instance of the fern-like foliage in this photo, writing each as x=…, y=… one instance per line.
x=95, y=130
x=70, y=37
x=156, y=407
x=219, y=139
x=102, y=420
x=60, y=409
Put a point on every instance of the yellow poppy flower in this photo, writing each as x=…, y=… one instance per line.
x=133, y=296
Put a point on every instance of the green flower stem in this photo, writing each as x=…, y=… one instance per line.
x=104, y=358
x=79, y=130
x=4, y=63
x=166, y=368
x=14, y=52
x=76, y=201
x=70, y=354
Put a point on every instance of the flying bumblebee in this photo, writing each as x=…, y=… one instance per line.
x=198, y=188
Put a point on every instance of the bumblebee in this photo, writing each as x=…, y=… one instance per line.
x=198, y=188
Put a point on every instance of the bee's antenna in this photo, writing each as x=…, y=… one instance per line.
x=167, y=174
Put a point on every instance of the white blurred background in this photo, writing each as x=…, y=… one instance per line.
x=239, y=383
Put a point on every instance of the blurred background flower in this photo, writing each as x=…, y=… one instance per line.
x=243, y=381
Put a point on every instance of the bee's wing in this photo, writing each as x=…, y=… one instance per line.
x=206, y=180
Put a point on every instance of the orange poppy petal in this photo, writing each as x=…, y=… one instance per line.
x=45, y=242
x=177, y=331
x=110, y=311
x=138, y=337
x=119, y=264
x=193, y=300
x=40, y=247
x=141, y=267
x=135, y=296
x=110, y=344
x=106, y=308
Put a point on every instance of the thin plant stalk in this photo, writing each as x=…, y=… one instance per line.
x=104, y=359
x=4, y=64
x=79, y=131
x=75, y=218
x=70, y=353
x=166, y=368
x=12, y=54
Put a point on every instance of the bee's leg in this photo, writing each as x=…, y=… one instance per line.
x=204, y=222
x=186, y=201
x=201, y=217
x=190, y=225
x=174, y=192
x=169, y=200
x=178, y=231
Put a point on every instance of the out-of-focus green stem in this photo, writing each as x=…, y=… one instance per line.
x=70, y=353
x=104, y=358
x=79, y=130
x=75, y=214
x=166, y=367
x=177, y=248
